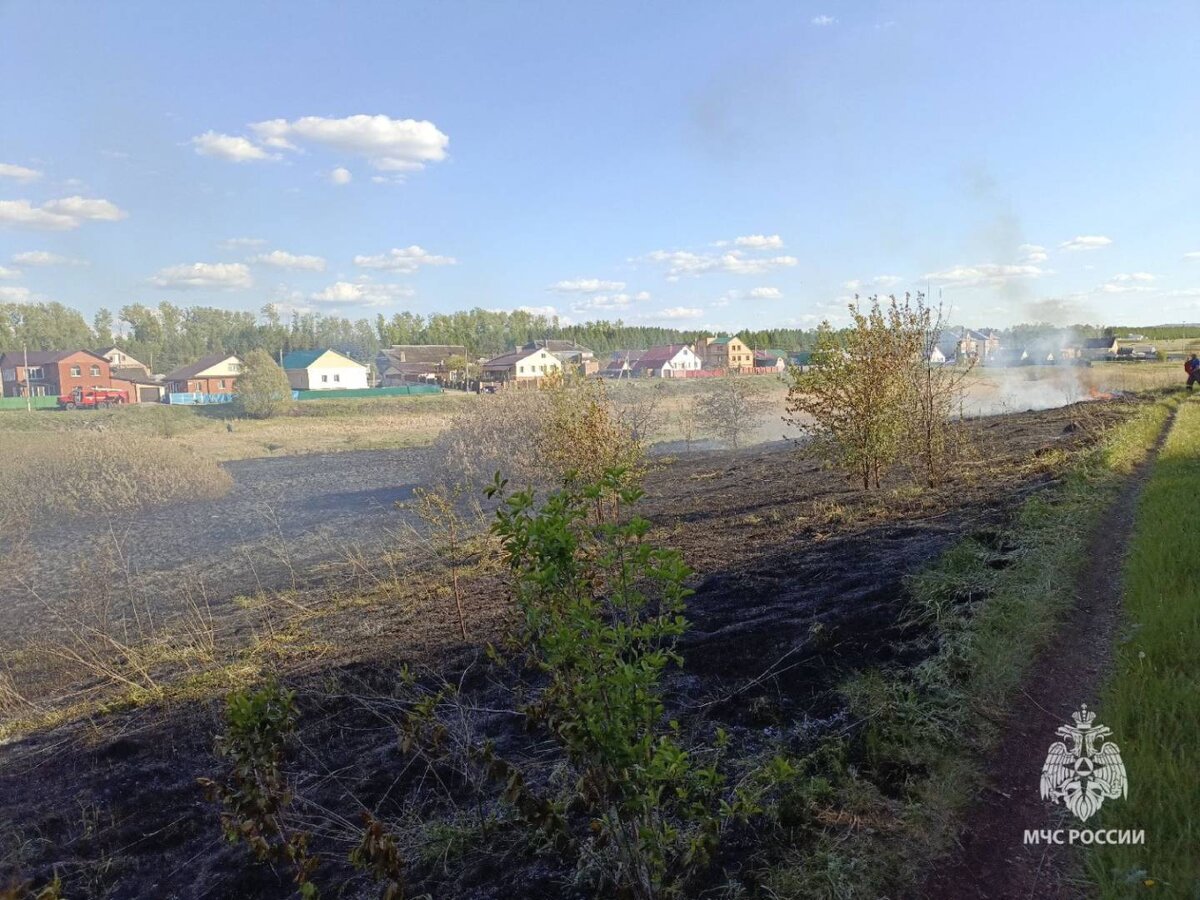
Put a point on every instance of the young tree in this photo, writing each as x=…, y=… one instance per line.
x=855, y=397
x=731, y=408
x=935, y=394
x=263, y=390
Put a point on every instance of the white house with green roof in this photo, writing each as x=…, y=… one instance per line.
x=323, y=370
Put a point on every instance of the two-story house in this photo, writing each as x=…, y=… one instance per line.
x=51, y=373
x=729, y=353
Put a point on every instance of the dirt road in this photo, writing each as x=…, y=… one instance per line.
x=994, y=863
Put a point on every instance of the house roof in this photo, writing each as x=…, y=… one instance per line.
x=1098, y=343
x=657, y=357
x=511, y=359
x=556, y=346
x=43, y=357
x=193, y=369
x=771, y=351
x=622, y=358
x=132, y=373
x=427, y=354
x=302, y=359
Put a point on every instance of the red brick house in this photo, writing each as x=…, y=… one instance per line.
x=49, y=373
x=216, y=374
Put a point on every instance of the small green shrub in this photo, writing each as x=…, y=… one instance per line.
x=254, y=793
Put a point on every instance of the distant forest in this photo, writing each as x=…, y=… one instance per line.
x=166, y=335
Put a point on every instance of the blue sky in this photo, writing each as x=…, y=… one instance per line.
x=699, y=164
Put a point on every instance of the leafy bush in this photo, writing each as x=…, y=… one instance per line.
x=263, y=389
x=601, y=609
x=255, y=794
x=538, y=437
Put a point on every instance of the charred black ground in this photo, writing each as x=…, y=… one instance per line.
x=799, y=583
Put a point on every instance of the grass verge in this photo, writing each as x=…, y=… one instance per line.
x=1153, y=702
x=909, y=763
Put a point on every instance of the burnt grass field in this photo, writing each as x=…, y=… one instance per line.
x=799, y=583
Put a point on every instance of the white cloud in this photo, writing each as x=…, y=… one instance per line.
x=340, y=175
x=822, y=21
x=879, y=281
x=1128, y=282
x=1193, y=256
x=610, y=302
x=9, y=273
x=548, y=312
x=240, y=242
x=765, y=293
x=46, y=258
x=678, y=312
x=1032, y=253
x=407, y=259
x=361, y=293
x=212, y=276
x=14, y=295
x=759, y=242
x=390, y=145
x=86, y=208
x=232, y=148
x=20, y=173
x=585, y=286
x=983, y=274
x=64, y=214
x=684, y=262
x=281, y=259
x=1086, y=242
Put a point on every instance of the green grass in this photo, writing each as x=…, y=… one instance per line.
x=1153, y=702
x=990, y=608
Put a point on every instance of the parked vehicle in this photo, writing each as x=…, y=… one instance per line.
x=93, y=398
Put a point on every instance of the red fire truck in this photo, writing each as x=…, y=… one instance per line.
x=92, y=398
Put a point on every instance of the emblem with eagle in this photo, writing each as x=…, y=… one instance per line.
x=1081, y=774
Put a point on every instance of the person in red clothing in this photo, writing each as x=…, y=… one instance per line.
x=1192, y=367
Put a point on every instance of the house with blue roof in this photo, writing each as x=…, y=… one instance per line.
x=323, y=370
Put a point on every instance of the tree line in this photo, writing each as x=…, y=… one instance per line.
x=166, y=335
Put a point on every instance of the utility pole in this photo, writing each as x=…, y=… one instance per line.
x=28, y=388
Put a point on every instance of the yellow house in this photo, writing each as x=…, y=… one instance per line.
x=522, y=365
x=725, y=353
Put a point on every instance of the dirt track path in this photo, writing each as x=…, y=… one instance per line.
x=994, y=862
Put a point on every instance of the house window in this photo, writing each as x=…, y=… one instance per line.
x=521, y=369
x=221, y=383
x=337, y=378
x=95, y=371
x=324, y=379
x=76, y=372
x=34, y=373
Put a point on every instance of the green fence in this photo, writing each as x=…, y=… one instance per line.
x=369, y=392
x=19, y=402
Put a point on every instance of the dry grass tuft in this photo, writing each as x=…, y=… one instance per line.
x=48, y=474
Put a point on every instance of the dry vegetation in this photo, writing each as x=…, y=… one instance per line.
x=315, y=426
x=46, y=476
